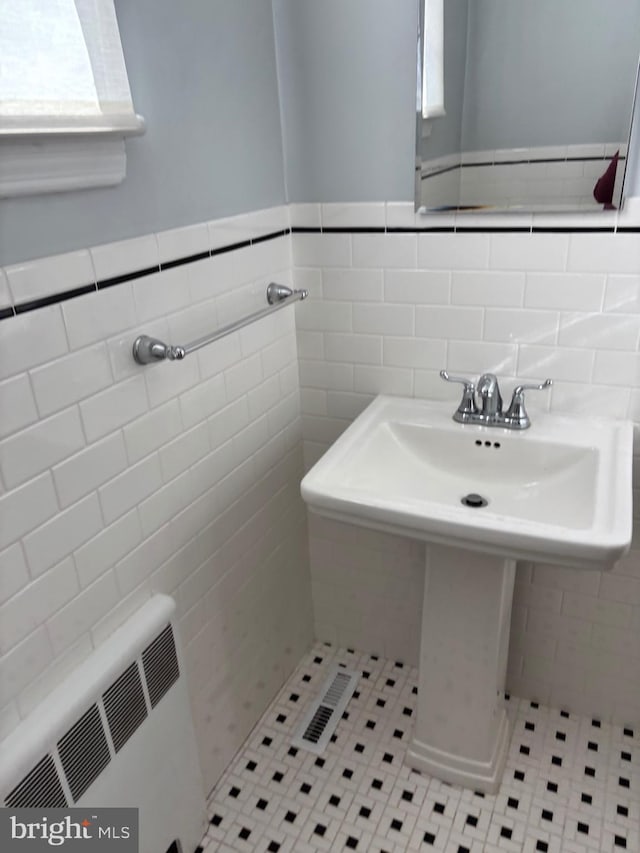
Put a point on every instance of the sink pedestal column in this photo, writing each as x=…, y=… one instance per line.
x=461, y=732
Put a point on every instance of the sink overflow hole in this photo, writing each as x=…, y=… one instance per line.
x=487, y=443
x=474, y=501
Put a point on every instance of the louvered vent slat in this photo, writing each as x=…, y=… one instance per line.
x=160, y=664
x=334, y=693
x=318, y=724
x=125, y=706
x=83, y=773
x=84, y=752
x=40, y=788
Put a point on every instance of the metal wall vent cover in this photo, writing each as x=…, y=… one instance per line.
x=40, y=788
x=84, y=752
x=321, y=720
x=125, y=706
x=160, y=664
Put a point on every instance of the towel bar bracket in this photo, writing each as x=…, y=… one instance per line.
x=147, y=350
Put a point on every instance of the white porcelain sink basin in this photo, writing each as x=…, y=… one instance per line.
x=559, y=492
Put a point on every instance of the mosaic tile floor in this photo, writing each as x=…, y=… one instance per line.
x=571, y=784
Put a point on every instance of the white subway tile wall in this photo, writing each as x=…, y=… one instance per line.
x=5, y=293
x=117, y=481
x=537, y=175
x=523, y=305
x=42, y=277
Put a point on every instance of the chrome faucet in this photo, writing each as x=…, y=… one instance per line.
x=482, y=403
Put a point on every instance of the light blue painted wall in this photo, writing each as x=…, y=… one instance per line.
x=543, y=72
x=203, y=74
x=347, y=84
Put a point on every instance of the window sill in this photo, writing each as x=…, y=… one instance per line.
x=60, y=160
x=427, y=121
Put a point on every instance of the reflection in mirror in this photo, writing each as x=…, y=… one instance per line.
x=538, y=100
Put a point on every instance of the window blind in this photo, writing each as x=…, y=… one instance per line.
x=62, y=69
x=433, y=61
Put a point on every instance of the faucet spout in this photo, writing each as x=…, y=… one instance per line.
x=489, y=395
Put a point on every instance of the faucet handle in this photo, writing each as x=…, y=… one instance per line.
x=446, y=375
x=516, y=411
x=468, y=403
x=518, y=391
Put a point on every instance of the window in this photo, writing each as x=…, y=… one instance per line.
x=433, y=60
x=65, y=102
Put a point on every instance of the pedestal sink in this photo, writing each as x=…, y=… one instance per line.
x=559, y=492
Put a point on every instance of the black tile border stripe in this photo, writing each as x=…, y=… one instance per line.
x=273, y=236
x=466, y=229
x=586, y=229
x=532, y=160
x=511, y=229
x=23, y=307
x=129, y=276
x=354, y=229
x=32, y=305
x=103, y=284
x=443, y=171
x=189, y=259
x=231, y=247
x=522, y=162
x=440, y=229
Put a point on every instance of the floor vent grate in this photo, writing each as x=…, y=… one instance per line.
x=322, y=718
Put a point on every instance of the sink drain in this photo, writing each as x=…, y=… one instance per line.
x=474, y=501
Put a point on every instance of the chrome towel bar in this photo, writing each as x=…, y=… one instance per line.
x=146, y=350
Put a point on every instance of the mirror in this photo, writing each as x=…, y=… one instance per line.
x=535, y=107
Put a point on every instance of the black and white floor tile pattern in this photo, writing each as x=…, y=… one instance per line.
x=571, y=784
